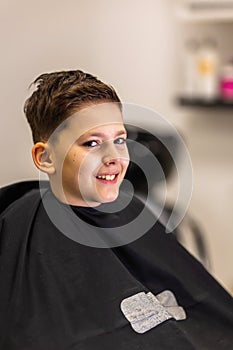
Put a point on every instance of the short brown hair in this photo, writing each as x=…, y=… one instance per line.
x=58, y=95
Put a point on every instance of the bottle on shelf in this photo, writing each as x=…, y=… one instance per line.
x=226, y=82
x=208, y=70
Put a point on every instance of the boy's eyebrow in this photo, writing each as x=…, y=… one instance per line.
x=100, y=134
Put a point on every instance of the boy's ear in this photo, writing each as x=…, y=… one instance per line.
x=42, y=157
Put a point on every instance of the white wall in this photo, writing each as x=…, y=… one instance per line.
x=133, y=46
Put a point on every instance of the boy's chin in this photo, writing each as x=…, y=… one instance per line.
x=108, y=198
x=99, y=198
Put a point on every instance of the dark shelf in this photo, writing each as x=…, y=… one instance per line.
x=196, y=102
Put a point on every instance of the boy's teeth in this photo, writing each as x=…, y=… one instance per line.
x=107, y=177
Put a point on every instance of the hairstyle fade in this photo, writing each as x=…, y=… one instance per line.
x=58, y=95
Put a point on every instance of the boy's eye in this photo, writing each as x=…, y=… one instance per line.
x=120, y=141
x=91, y=143
x=94, y=143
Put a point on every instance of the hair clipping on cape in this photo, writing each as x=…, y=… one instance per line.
x=145, y=311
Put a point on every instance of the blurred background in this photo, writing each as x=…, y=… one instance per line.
x=175, y=57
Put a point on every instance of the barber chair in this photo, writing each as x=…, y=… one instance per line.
x=188, y=232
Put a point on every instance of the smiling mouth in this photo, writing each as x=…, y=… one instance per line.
x=108, y=178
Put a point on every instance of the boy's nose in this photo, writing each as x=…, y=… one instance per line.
x=111, y=161
x=112, y=158
x=111, y=155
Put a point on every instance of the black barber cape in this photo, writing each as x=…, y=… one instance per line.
x=58, y=294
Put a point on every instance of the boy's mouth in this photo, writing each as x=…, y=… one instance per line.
x=107, y=178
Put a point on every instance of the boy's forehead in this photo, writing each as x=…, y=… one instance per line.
x=95, y=116
x=99, y=113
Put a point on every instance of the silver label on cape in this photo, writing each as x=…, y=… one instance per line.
x=145, y=311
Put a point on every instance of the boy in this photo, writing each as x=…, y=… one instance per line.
x=60, y=294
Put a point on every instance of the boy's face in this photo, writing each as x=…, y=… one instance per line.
x=90, y=156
